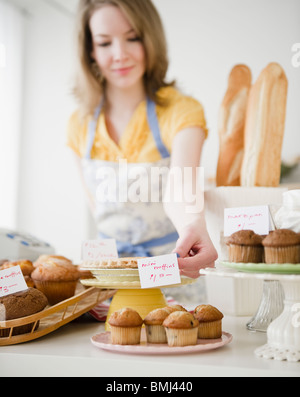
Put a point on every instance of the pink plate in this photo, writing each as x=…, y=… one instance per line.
x=103, y=342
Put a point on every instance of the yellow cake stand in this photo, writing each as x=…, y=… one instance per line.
x=129, y=292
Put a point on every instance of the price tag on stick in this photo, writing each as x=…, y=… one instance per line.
x=255, y=218
x=159, y=271
x=93, y=250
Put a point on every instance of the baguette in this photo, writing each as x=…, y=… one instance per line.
x=231, y=124
x=264, y=129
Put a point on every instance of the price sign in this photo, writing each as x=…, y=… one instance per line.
x=12, y=281
x=93, y=250
x=247, y=218
x=159, y=271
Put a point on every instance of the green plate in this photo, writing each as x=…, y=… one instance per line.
x=286, y=268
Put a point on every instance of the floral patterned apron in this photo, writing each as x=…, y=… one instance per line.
x=140, y=228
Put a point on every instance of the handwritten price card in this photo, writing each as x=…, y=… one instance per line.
x=159, y=271
x=93, y=250
x=12, y=281
x=247, y=218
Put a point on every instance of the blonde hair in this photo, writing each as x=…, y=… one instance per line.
x=145, y=20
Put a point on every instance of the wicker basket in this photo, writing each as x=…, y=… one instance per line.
x=52, y=317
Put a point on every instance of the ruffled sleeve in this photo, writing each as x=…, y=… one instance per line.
x=183, y=112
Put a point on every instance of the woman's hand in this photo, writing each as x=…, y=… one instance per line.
x=196, y=250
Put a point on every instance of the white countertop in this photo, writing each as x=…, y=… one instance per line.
x=68, y=352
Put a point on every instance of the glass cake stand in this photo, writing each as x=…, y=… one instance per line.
x=129, y=292
x=271, y=305
x=283, y=332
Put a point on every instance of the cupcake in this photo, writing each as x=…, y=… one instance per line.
x=18, y=305
x=210, y=322
x=125, y=325
x=282, y=246
x=57, y=282
x=155, y=331
x=181, y=329
x=245, y=246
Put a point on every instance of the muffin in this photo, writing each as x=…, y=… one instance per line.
x=245, y=246
x=155, y=331
x=58, y=259
x=125, y=325
x=181, y=329
x=26, y=266
x=175, y=308
x=282, y=246
x=18, y=305
x=210, y=322
x=57, y=282
x=29, y=282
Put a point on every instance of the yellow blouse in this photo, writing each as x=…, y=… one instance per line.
x=137, y=144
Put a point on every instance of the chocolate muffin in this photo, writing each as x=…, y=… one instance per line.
x=282, y=246
x=245, y=246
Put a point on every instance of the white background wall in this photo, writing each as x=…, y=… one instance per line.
x=11, y=89
x=206, y=39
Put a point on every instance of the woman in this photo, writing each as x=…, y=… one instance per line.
x=131, y=119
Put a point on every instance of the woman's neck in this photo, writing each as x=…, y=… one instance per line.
x=123, y=102
x=120, y=106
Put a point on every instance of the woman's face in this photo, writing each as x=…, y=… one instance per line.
x=117, y=49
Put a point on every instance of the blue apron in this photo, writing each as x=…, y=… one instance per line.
x=140, y=228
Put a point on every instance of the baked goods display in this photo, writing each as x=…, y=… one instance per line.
x=245, y=246
x=54, y=276
x=21, y=304
x=210, y=322
x=126, y=325
x=58, y=278
x=175, y=328
x=251, y=128
x=231, y=125
x=280, y=246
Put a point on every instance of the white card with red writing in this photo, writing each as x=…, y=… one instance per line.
x=159, y=271
x=93, y=250
x=12, y=281
x=247, y=218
